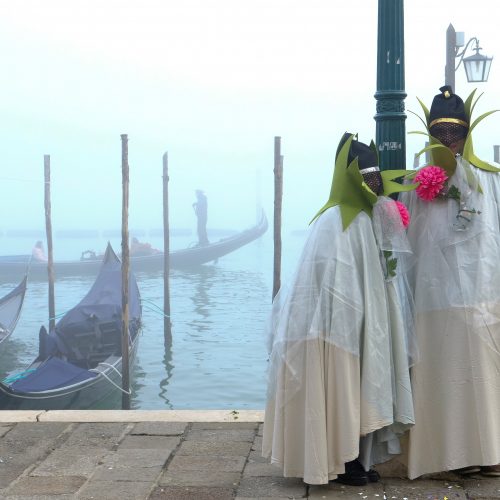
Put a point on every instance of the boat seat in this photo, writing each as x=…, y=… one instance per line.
x=91, y=346
x=108, y=341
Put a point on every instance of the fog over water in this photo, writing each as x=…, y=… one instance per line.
x=212, y=83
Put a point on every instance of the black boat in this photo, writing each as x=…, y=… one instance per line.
x=79, y=363
x=10, y=309
x=185, y=258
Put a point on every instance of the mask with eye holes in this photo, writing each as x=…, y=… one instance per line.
x=373, y=179
x=367, y=161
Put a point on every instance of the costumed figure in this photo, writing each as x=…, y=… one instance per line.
x=340, y=336
x=455, y=281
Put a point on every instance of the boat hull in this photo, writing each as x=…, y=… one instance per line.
x=96, y=393
x=12, y=267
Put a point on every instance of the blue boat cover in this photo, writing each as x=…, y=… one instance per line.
x=103, y=302
x=52, y=374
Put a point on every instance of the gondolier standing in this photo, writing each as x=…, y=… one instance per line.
x=200, y=207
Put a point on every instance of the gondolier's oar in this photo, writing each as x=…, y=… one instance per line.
x=125, y=271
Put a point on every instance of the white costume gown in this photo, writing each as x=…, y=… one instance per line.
x=339, y=366
x=456, y=286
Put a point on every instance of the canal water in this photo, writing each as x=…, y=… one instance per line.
x=218, y=357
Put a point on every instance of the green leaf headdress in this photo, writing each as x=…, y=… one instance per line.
x=349, y=191
x=441, y=155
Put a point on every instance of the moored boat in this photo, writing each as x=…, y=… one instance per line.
x=79, y=363
x=10, y=309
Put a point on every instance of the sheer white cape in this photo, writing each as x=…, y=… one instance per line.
x=340, y=338
x=456, y=287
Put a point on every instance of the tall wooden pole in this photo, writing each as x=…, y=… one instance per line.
x=278, y=197
x=167, y=325
x=125, y=276
x=390, y=95
x=449, y=69
x=50, y=253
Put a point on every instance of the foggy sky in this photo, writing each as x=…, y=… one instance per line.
x=212, y=83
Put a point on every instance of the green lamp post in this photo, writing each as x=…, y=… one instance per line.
x=390, y=95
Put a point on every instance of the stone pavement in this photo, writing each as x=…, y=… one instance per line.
x=175, y=456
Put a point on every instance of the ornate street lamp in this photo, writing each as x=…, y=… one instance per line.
x=477, y=66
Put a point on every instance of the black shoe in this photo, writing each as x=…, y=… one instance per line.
x=355, y=474
x=373, y=476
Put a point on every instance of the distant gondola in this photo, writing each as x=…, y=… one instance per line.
x=185, y=258
x=10, y=309
x=79, y=364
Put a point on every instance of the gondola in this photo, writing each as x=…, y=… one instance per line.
x=79, y=363
x=10, y=309
x=179, y=259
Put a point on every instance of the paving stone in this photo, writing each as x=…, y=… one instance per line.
x=260, y=430
x=422, y=489
x=159, y=428
x=70, y=496
x=271, y=487
x=70, y=461
x=257, y=444
x=221, y=426
x=149, y=442
x=262, y=469
x=27, y=443
x=221, y=435
x=256, y=457
x=222, y=448
x=332, y=491
x=191, y=493
x=4, y=429
x=10, y=473
x=30, y=485
x=194, y=462
x=29, y=432
x=209, y=478
x=108, y=473
x=484, y=488
x=114, y=490
x=100, y=435
x=33, y=431
x=136, y=458
x=264, y=498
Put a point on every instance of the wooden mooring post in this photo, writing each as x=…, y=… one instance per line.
x=167, y=324
x=50, y=252
x=278, y=199
x=125, y=277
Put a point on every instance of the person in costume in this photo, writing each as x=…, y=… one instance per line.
x=455, y=281
x=340, y=341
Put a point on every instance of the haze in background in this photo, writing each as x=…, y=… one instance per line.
x=212, y=83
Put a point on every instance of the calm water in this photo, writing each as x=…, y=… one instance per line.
x=218, y=357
